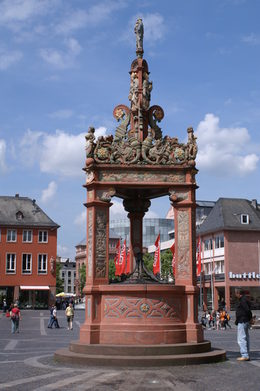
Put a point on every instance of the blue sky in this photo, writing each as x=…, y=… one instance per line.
x=64, y=66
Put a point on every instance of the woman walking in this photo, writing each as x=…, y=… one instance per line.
x=70, y=315
x=15, y=315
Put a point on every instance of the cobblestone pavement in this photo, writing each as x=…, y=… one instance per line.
x=26, y=363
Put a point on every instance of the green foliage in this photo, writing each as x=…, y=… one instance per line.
x=148, y=262
x=59, y=282
x=112, y=270
x=82, y=277
x=166, y=265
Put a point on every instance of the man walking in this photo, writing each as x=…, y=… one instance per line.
x=243, y=317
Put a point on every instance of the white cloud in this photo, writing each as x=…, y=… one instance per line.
x=63, y=251
x=95, y=15
x=3, y=167
x=62, y=114
x=154, y=28
x=81, y=219
x=21, y=10
x=251, y=39
x=151, y=215
x=62, y=59
x=49, y=193
x=8, y=58
x=117, y=210
x=60, y=153
x=223, y=150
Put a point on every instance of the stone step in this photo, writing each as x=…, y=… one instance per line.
x=67, y=356
x=140, y=350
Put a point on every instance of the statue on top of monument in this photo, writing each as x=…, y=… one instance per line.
x=139, y=31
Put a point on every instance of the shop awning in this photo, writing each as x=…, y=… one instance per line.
x=34, y=287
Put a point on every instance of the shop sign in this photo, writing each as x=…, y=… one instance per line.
x=250, y=275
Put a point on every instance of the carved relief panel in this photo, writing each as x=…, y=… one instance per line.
x=90, y=243
x=183, y=243
x=101, y=243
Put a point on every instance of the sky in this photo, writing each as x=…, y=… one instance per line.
x=64, y=67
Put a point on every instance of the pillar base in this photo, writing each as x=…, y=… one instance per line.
x=139, y=355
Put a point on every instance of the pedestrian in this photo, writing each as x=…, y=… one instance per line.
x=243, y=318
x=54, y=319
x=51, y=317
x=4, y=306
x=70, y=315
x=15, y=315
x=218, y=319
x=227, y=319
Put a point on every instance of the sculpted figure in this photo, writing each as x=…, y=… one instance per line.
x=139, y=31
x=90, y=141
x=147, y=88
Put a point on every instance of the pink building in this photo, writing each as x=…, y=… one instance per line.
x=230, y=238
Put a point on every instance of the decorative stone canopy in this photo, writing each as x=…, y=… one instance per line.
x=138, y=139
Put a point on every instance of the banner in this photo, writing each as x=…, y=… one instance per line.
x=173, y=258
x=157, y=260
x=122, y=259
x=198, y=257
x=128, y=262
x=117, y=258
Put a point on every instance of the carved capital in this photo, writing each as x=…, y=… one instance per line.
x=177, y=195
x=137, y=205
x=106, y=194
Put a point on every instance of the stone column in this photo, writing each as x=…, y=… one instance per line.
x=184, y=205
x=97, y=260
x=137, y=209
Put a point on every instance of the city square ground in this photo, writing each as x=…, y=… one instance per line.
x=26, y=362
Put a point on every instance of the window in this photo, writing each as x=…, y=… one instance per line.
x=27, y=236
x=219, y=241
x=10, y=263
x=244, y=219
x=207, y=244
x=26, y=263
x=43, y=236
x=42, y=264
x=11, y=235
x=69, y=274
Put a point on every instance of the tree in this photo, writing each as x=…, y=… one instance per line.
x=166, y=265
x=59, y=282
x=82, y=277
x=148, y=262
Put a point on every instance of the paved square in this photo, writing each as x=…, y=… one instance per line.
x=27, y=362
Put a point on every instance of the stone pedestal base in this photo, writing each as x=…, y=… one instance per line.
x=139, y=356
x=146, y=314
x=140, y=325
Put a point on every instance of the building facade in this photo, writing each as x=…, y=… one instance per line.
x=28, y=250
x=230, y=238
x=151, y=229
x=68, y=274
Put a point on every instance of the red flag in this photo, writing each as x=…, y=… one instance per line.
x=117, y=257
x=173, y=258
x=157, y=260
x=122, y=259
x=198, y=257
x=128, y=262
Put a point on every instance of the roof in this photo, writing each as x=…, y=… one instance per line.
x=23, y=212
x=226, y=215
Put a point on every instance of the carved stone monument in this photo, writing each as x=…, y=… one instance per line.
x=142, y=322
